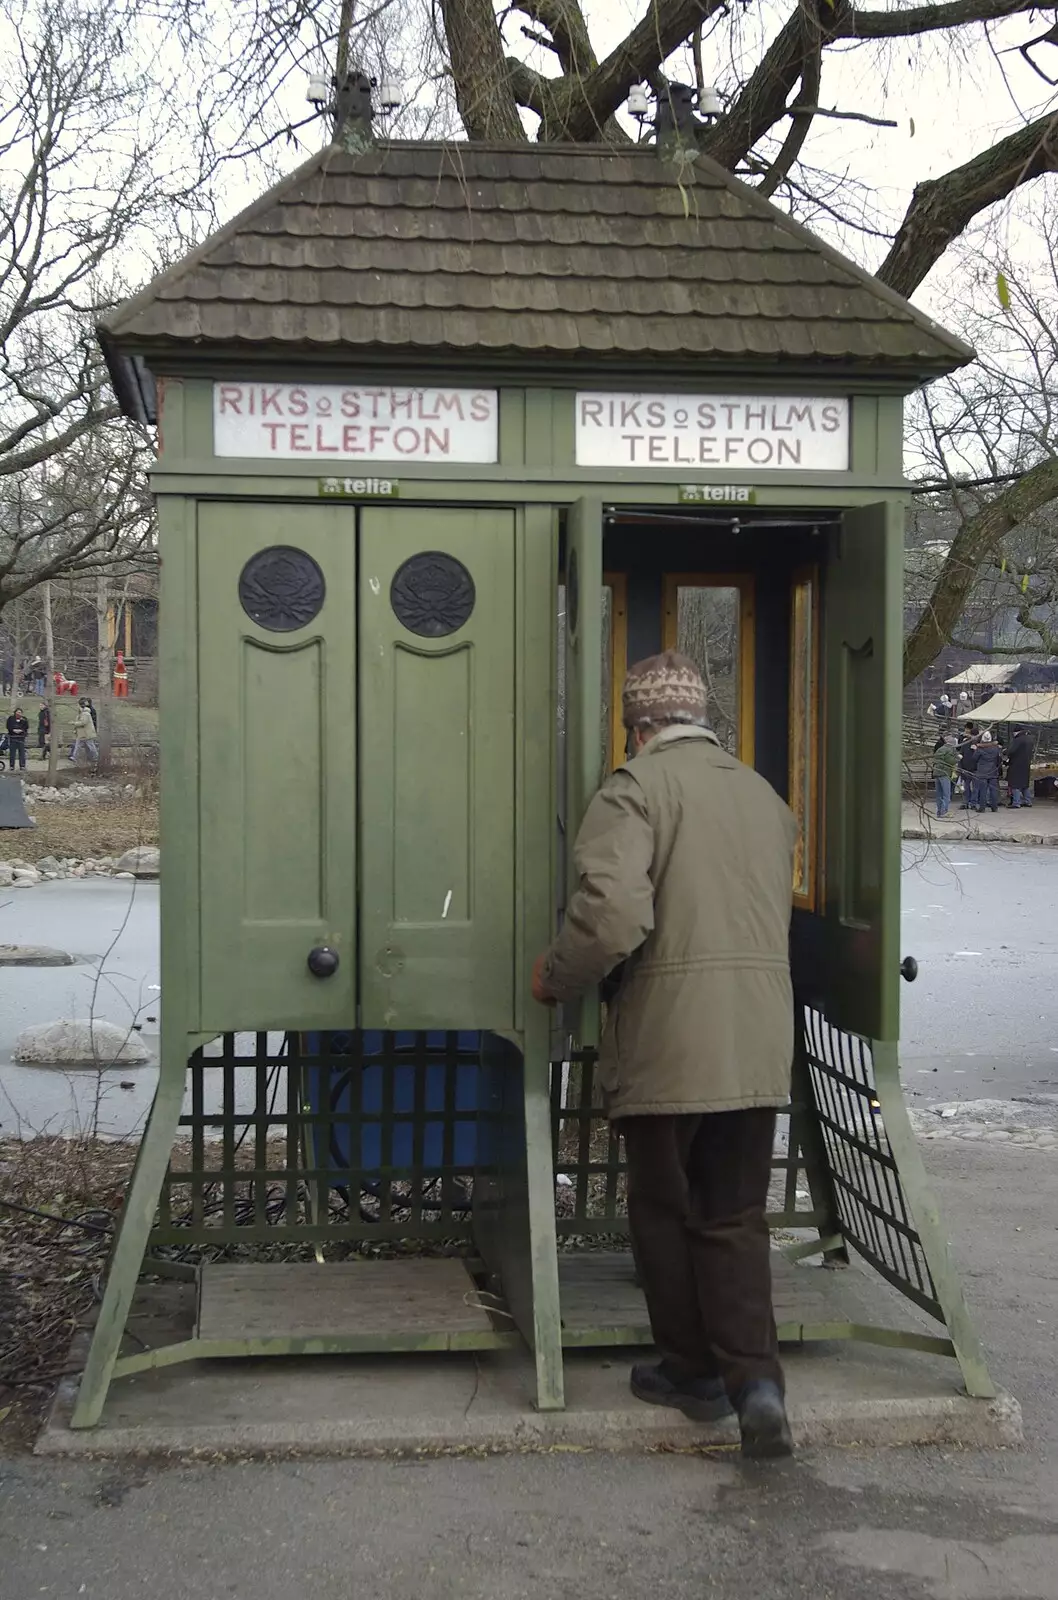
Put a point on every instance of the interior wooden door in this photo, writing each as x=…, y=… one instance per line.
x=710, y=618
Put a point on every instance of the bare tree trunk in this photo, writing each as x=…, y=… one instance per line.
x=16, y=654
x=49, y=684
x=103, y=668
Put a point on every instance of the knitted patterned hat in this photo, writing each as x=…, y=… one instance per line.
x=664, y=689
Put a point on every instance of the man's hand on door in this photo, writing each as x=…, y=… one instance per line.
x=541, y=993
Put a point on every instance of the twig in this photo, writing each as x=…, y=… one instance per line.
x=844, y=116
x=52, y=1216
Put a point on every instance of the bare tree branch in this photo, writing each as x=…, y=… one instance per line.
x=583, y=106
x=975, y=541
x=942, y=207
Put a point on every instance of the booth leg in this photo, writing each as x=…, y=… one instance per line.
x=137, y=1218
x=514, y=1199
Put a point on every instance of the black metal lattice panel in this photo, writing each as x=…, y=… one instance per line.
x=875, y=1217
x=590, y=1157
x=318, y=1138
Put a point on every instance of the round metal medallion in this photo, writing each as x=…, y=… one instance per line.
x=281, y=588
x=432, y=594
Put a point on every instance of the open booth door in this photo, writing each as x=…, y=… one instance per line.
x=883, y=1205
x=863, y=644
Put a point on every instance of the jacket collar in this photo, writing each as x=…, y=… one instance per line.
x=674, y=734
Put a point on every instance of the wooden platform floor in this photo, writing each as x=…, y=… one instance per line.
x=300, y=1300
x=600, y=1298
x=426, y=1303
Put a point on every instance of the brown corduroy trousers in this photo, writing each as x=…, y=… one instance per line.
x=697, y=1195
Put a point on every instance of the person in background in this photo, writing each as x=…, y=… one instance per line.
x=43, y=728
x=685, y=860
x=945, y=765
x=1019, y=769
x=965, y=703
x=989, y=763
x=84, y=734
x=17, y=731
x=968, y=764
x=946, y=708
x=36, y=675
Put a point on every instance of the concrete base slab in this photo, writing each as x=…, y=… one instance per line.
x=841, y=1393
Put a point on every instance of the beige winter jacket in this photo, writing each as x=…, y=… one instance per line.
x=685, y=859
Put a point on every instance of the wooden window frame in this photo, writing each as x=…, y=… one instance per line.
x=747, y=640
x=806, y=898
x=617, y=583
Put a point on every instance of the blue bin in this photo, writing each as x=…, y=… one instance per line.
x=330, y=1087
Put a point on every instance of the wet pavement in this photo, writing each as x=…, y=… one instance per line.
x=110, y=927
x=981, y=1020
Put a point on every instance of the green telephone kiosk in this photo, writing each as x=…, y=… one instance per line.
x=448, y=436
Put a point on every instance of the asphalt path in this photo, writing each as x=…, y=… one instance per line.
x=981, y=1020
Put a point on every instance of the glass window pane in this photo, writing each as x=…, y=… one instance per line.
x=708, y=629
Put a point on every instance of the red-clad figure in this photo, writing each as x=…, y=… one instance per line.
x=121, y=678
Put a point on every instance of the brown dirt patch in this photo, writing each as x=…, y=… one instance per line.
x=84, y=829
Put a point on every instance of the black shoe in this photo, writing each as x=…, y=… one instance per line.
x=701, y=1399
x=762, y=1421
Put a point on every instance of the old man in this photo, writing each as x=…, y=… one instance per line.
x=685, y=860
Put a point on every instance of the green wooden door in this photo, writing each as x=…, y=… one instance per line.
x=277, y=753
x=584, y=745
x=862, y=619
x=438, y=630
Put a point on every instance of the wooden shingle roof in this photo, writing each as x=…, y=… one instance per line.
x=540, y=253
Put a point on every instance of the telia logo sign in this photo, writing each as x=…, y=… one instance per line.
x=751, y=432
x=334, y=422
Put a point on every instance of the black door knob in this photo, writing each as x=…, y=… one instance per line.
x=323, y=961
x=909, y=969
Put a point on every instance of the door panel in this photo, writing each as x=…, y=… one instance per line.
x=277, y=751
x=437, y=818
x=584, y=706
x=862, y=616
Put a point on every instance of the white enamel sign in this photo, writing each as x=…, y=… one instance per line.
x=330, y=422
x=755, y=432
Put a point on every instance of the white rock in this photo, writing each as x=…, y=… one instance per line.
x=87, y=1043
x=144, y=860
x=27, y=874
x=131, y=875
x=7, y=873
x=47, y=864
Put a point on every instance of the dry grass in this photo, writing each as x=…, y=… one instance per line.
x=88, y=829
x=49, y=1270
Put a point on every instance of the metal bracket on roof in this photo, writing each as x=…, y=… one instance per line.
x=353, y=114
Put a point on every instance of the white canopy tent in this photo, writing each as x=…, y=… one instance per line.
x=1025, y=708
x=984, y=672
